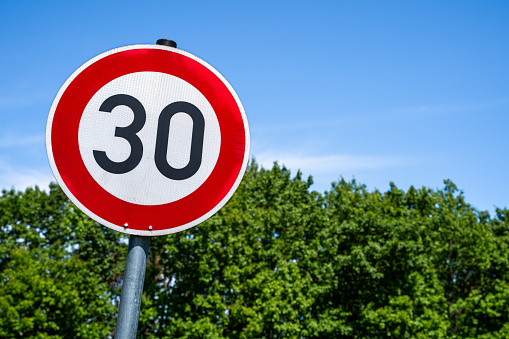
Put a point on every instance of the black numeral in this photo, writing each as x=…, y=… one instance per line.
x=163, y=130
x=129, y=133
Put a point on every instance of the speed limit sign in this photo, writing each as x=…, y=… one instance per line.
x=147, y=139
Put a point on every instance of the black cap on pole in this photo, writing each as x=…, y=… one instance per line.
x=167, y=42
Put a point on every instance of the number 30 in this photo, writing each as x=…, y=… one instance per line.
x=129, y=133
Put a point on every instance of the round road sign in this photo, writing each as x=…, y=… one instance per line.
x=147, y=139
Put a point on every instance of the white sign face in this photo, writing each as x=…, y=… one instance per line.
x=145, y=184
x=148, y=139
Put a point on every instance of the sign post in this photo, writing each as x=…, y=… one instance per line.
x=147, y=140
x=132, y=287
x=134, y=275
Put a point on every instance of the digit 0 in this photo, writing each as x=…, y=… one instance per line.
x=163, y=130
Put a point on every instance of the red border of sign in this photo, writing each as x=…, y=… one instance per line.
x=73, y=176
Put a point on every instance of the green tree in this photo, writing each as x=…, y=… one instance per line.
x=45, y=297
x=59, y=271
x=239, y=274
x=421, y=263
x=278, y=261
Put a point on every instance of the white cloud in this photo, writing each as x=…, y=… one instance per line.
x=446, y=109
x=17, y=175
x=11, y=140
x=22, y=177
x=317, y=164
x=409, y=112
x=24, y=97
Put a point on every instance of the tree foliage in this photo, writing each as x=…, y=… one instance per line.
x=278, y=261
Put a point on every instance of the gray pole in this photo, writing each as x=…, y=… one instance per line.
x=134, y=275
x=132, y=287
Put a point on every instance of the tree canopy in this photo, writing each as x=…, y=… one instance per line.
x=278, y=261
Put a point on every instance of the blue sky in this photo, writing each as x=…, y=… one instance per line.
x=409, y=92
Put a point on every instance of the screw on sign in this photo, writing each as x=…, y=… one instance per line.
x=147, y=140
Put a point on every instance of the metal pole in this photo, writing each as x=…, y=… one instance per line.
x=132, y=287
x=134, y=275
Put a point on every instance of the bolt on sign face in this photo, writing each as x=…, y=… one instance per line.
x=148, y=139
